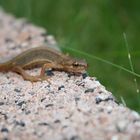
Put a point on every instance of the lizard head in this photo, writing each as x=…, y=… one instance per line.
x=76, y=66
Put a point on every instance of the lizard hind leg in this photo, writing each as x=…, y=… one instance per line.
x=40, y=77
x=25, y=75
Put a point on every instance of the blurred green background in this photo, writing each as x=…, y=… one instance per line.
x=95, y=27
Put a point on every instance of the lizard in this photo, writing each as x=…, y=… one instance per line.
x=44, y=57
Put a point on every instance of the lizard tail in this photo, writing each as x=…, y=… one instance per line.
x=5, y=67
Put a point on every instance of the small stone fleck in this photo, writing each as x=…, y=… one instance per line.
x=7, y=40
x=21, y=103
x=89, y=90
x=43, y=99
x=98, y=100
x=84, y=75
x=49, y=72
x=1, y=103
x=4, y=130
x=74, y=138
x=43, y=123
x=70, y=74
x=48, y=105
x=21, y=123
x=59, y=88
x=4, y=115
x=17, y=90
x=57, y=121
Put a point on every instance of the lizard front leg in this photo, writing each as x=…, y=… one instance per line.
x=52, y=65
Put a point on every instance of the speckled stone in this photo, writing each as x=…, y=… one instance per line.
x=68, y=108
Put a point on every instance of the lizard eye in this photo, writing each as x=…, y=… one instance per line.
x=75, y=64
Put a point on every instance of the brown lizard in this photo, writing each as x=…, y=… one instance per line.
x=46, y=58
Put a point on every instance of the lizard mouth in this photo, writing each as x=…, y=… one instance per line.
x=76, y=70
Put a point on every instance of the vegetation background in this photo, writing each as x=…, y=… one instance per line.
x=95, y=27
